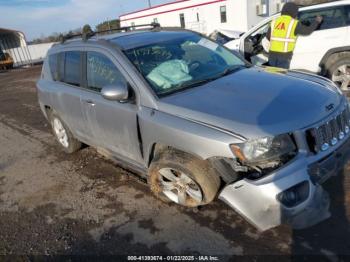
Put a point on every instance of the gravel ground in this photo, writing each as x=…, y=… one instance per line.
x=83, y=204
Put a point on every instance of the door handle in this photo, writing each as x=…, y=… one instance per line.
x=90, y=102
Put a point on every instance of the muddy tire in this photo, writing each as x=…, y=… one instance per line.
x=63, y=135
x=338, y=70
x=180, y=178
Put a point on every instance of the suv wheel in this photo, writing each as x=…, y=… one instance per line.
x=64, y=137
x=338, y=70
x=185, y=180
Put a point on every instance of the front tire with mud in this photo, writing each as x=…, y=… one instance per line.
x=181, y=178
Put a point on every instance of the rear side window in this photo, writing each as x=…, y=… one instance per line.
x=72, y=68
x=101, y=72
x=347, y=14
x=332, y=17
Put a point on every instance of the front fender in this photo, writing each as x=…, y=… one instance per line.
x=185, y=135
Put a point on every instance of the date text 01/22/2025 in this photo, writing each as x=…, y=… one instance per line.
x=173, y=258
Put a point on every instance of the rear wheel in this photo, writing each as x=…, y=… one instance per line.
x=182, y=179
x=63, y=135
x=338, y=70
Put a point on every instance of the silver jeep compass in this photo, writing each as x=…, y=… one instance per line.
x=199, y=122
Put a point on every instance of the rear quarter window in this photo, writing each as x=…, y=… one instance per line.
x=56, y=64
x=333, y=17
x=347, y=14
x=53, y=64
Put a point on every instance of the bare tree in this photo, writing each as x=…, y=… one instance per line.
x=311, y=2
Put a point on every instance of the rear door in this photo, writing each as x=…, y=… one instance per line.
x=332, y=33
x=113, y=124
x=66, y=71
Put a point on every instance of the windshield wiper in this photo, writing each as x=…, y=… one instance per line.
x=231, y=70
x=194, y=83
x=185, y=85
x=226, y=72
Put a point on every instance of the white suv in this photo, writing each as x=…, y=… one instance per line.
x=326, y=51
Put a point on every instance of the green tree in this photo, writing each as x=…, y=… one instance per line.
x=108, y=25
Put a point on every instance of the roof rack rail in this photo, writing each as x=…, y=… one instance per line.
x=86, y=35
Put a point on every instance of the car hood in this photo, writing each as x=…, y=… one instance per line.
x=256, y=102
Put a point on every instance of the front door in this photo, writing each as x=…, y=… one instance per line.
x=113, y=124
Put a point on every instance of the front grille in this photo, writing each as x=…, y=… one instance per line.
x=323, y=137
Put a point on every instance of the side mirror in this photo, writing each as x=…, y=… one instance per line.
x=116, y=92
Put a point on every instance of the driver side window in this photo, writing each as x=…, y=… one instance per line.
x=101, y=72
x=332, y=17
x=262, y=30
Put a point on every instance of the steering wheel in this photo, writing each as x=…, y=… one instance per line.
x=194, y=65
x=255, y=42
x=218, y=60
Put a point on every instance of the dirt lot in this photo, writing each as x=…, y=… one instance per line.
x=52, y=203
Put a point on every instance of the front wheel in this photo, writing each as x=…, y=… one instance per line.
x=338, y=70
x=182, y=179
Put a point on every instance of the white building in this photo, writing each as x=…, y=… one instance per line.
x=205, y=16
x=14, y=43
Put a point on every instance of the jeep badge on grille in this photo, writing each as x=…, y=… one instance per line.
x=330, y=107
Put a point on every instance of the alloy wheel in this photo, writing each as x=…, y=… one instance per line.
x=60, y=132
x=179, y=187
x=341, y=76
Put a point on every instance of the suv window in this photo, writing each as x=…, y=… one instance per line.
x=333, y=17
x=347, y=14
x=72, y=68
x=101, y=72
x=53, y=63
x=56, y=64
x=183, y=62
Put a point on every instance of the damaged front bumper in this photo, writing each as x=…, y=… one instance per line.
x=259, y=202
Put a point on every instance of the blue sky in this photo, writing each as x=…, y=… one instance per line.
x=43, y=17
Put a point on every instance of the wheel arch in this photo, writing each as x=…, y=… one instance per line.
x=329, y=54
x=226, y=175
x=45, y=109
x=48, y=109
x=158, y=148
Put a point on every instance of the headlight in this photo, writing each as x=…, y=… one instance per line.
x=264, y=149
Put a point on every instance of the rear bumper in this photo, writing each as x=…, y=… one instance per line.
x=257, y=201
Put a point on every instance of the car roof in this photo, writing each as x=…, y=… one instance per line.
x=324, y=5
x=150, y=37
x=134, y=38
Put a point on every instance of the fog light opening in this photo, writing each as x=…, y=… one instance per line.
x=294, y=195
